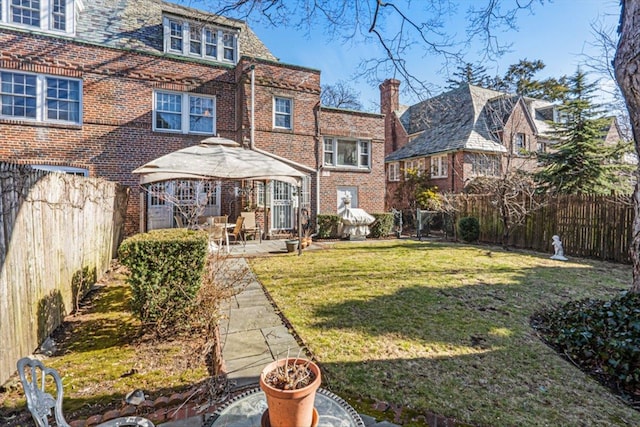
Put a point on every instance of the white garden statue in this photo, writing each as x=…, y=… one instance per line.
x=557, y=247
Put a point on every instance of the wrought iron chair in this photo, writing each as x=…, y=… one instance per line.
x=33, y=375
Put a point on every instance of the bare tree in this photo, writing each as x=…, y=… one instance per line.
x=627, y=70
x=340, y=95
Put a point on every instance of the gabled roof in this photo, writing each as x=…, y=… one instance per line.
x=452, y=121
x=137, y=25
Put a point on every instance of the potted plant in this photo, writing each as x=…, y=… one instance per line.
x=290, y=386
x=292, y=244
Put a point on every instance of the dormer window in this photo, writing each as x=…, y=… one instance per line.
x=45, y=15
x=197, y=40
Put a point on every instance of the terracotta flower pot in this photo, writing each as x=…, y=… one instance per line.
x=291, y=408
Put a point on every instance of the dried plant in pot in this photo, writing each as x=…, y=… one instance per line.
x=290, y=387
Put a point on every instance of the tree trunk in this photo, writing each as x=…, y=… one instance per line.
x=627, y=69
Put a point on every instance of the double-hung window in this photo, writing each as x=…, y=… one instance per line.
x=184, y=113
x=282, y=113
x=40, y=97
x=439, y=167
x=519, y=143
x=351, y=153
x=45, y=15
x=198, y=40
x=483, y=164
x=416, y=165
x=393, y=172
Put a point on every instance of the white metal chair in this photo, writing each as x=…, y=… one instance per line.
x=33, y=375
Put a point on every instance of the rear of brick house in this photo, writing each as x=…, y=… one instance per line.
x=100, y=88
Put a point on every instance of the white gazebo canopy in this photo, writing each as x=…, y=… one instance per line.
x=218, y=158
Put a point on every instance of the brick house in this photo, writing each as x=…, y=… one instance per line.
x=99, y=88
x=463, y=134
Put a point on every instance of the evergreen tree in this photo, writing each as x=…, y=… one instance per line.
x=581, y=161
x=519, y=79
x=469, y=74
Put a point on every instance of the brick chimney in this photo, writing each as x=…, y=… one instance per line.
x=389, y=96
x=389, y=103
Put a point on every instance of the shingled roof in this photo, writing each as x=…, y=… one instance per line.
x=137, y=25
x=455, y=120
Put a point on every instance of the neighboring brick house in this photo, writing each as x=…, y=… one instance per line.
x=101, y=87
x=462, y=134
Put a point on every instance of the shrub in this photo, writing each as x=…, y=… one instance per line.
x=602, y=337
x=165, y=273
x=383, y=225
x=328, y=226
x=469, y=229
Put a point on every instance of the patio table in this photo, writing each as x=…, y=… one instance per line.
x=246, y=410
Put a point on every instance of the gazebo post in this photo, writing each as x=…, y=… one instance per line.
x=299, y=219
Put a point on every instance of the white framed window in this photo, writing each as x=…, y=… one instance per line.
x=439, y=167
x=40, y=97
x=393, y=172
x=282, y=108
x=349, y=153
x=483, y=164
x=62, y=169
x=519, y=143
x=415, y=164
x=184, y=113
x=197, y=40
x=44, y=15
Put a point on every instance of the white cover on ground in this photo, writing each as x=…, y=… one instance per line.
x=355, y=222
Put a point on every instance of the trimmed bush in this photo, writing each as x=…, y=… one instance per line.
x=383, y=225
x=469, y=229
x=165, y=273
x=602, y=337
x=328, y=226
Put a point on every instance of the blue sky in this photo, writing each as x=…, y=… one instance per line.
x=558, y=33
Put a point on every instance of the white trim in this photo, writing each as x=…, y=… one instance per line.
x=439, y=166
x=185, y=112
x=41, y=98
x=185, y=49
x=275, y=112
x=45, y=18
x=393, y=172
x=333, y=140
x=62, y=169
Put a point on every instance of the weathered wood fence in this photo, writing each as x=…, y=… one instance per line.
x=57, y=234
x=589, y=226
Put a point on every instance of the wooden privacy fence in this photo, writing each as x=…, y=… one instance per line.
x=58, y=233
x=589, y=226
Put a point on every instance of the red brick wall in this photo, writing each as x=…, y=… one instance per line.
x=370, y=184
x=116, y=133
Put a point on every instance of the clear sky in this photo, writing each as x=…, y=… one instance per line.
x=558, y=33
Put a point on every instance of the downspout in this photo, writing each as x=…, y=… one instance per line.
x=319, y=162
x=252, y=67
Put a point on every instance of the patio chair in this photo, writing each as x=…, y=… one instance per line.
x=218, y=234
x=33, y=375
x=236, y=234
x=220, y=219
x=250, y=227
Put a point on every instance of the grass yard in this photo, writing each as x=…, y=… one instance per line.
x=445, y=328
x=102, y=356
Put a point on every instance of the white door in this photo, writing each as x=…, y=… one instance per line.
x=168, y=199
x=347, y=192
x=282, y=206
x=159, y=210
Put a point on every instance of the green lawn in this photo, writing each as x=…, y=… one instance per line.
x=445, y=328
